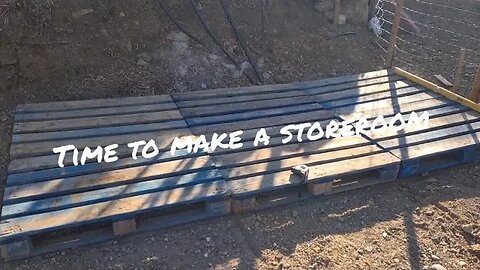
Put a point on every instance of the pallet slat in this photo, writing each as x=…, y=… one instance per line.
x=43, y=116
x=114, y=210
x=90, y=104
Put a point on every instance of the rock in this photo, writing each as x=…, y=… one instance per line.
x=294, y=213
x=121, y=14
x=129, y=46
x=468, y=229
x=424, y=174
x=142, y=62
x=462, y=263
x=437, y=267
x=432, y=180
x=342, y=19
x=435, y=258
x=99, y=78
x=396, y=260
x=82, y=12
x=384, y=235
x=266, y=75
x=369, y=248
x=208, y=239
x=203, y=86
x=178, y=37
x=4, y=119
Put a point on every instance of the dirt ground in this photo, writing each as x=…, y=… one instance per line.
x=84, y=49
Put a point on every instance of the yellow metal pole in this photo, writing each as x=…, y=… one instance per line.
x=435, y=88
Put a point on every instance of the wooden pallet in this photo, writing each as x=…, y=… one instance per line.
x=48, y=208
x=98, y=201
x=452, y=137
x=260, y=176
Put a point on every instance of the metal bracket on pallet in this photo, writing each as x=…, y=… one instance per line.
x=302, y=171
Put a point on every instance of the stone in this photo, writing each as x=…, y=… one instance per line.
x=142, y=63
x=82, y=12
x=203, y=86
x=178, y=37
x=435, y=258
x=432, y=180
x=342, y=19
x=468, y=229
x=437, y=267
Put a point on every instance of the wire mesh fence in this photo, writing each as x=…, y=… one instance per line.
x=431, y=36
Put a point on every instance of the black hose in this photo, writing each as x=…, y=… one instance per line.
x=210, y=33
x=177, y=24
x=240, y=40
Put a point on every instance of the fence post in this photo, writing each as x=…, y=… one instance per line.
x=475, y=94
x=459, y=71
x=393, y=36
x=336, y=12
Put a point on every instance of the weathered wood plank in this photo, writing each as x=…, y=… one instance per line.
x=352, y=165
x=384, y=103
x=99, y=121
x=244, y=106
x=251, y=115
x=285, y=151
x=433, y=135
x=93, y=181
x=363, y=90
x=107, y=194
x=163, y=140
x=97, y=132
x=434, y=123
x=392, y=95
x=276, y=88
x=52, y=171
x=433, y=148
x=110, y=211
x=237, y=99
x=264, y=122
x=434, y=107
x=354, y=85
x=72, y=114
x=287, y=163
x=90, y=104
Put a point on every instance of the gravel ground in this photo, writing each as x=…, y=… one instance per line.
x=131, y=49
